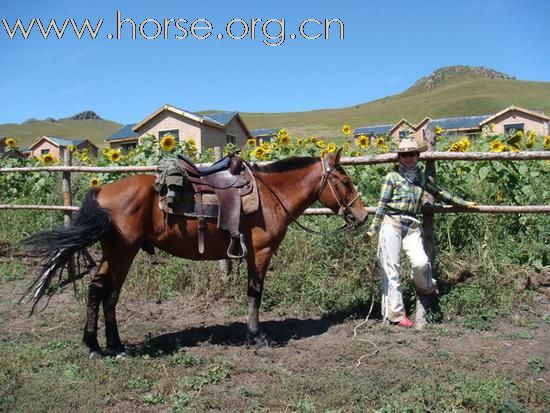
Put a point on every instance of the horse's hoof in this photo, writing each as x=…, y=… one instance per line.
x=94, y=355
x=258, y=340
x=122, y=356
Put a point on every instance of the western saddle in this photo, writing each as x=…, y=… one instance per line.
x=229, y=179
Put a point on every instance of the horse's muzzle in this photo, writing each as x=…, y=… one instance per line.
x=353, y=221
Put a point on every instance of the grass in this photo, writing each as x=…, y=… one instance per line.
x=459, y=95
x=94, y=130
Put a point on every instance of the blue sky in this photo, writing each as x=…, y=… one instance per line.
x=386, y=47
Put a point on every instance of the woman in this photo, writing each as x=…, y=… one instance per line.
x=396, y=219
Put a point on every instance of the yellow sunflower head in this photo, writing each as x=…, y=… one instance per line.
x=94, y=181
x=114, y=155
x=281, y=133
x=346, y=129
x=11, y=142
x=331, y=147
x=547, y=142
x=251, y=142
x=362, y=141
x=496, y=146
x=192, y=142
x=284, y=140
x=379, y=142
x=167, y=142
x=320, y=143
x=438, y=130
x=48, y=159
x=105, y=150
x=259, y=153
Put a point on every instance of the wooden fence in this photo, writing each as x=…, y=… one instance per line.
x=67, y=170
x=428, y=213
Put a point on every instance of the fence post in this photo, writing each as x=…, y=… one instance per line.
x=66, y=187
x=225, y=265
x=428, y=225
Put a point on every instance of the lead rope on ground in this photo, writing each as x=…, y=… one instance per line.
x=365, y=321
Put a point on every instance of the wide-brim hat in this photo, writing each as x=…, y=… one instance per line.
x=410, y=145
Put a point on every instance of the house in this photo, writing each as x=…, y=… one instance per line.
x=124, y=139
x=264, y=135
x=56, y=146
x=503, y=122
x=207, y=130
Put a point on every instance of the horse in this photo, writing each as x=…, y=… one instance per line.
x=124, y=216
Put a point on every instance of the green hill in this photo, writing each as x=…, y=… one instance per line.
x=447, y=92
x=94, y=129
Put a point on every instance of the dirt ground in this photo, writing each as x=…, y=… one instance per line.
x=318, y=355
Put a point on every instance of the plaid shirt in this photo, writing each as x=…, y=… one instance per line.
x=398, y=195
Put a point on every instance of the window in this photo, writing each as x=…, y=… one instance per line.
x=404, y=134
x=174, y=132
x=230, y=139
x=127, y=147
x=44, y=151
x=515, y=127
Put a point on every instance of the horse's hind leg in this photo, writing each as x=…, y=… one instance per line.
x=118, y=270
x=105, y=288
x=95, y=295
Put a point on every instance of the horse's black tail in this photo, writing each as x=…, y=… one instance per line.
x=57, y=246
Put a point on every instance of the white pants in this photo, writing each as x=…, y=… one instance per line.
x=389, y=251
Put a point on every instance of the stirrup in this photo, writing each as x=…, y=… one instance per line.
x=237, y=250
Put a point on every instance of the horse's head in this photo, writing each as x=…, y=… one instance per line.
x=338, y=192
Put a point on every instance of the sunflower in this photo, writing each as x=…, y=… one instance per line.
x=455, y=147
x=71, y=148
x=438, y=130
x=167, y=143
x=496, y=146
x=379, y=142
x=547, y=142
x=362, y=141
x=346, y=129
x=114, y=155
x=331, y=147
x=492, y=127
x=48, y=159
x=105, y=150
x=94, y=181
x=281, y=133
x=11, y=142
x=284, y=140
x=259, y=153
x=320, y=143
x=251, y=142
x=192, y=142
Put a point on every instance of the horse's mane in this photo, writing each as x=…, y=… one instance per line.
x=287, y=164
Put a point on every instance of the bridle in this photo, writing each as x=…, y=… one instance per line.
x=326, y=177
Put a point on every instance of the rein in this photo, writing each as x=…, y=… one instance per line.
x=324, y=179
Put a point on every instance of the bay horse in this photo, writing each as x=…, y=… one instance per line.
x=124, y=216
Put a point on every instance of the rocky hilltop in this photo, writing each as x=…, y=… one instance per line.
x=443, y=74
x=86, y=115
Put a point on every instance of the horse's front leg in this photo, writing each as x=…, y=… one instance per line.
x=257, y=267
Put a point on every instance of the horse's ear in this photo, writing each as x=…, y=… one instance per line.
x=337, y=157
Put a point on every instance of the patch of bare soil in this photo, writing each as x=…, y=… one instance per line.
x=302, y=344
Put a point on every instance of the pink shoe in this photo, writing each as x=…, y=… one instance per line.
x=405, y=322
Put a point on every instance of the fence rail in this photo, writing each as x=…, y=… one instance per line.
x=360, y=160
